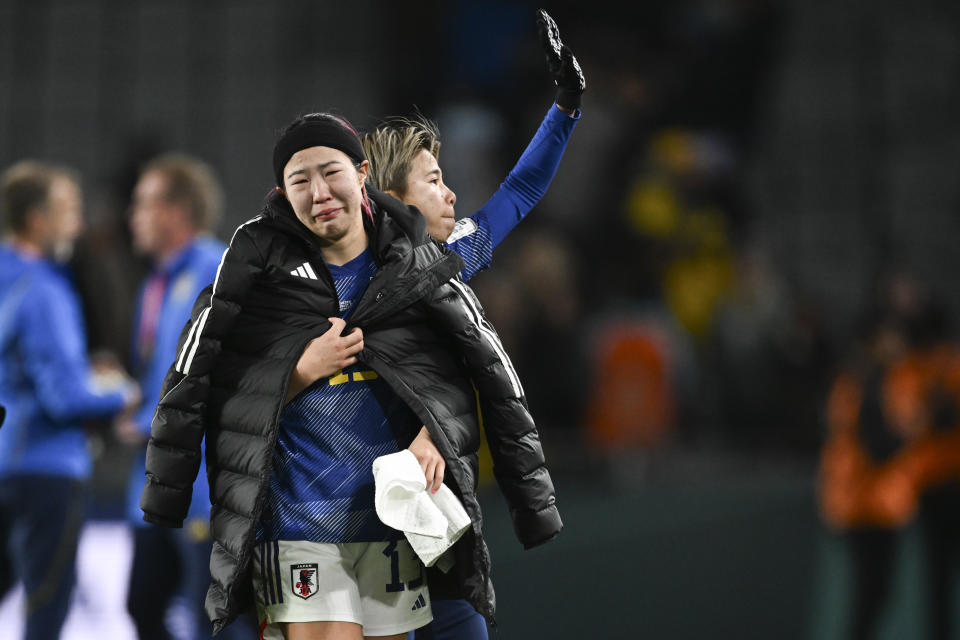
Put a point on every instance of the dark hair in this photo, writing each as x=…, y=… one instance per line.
x=319, y=116
x=319, y=129
x=25, y=188
x=316, y=130
x=192, y=183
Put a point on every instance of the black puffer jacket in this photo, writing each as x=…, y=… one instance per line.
x=425, y=334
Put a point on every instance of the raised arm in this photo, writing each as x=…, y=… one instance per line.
x=475, y=237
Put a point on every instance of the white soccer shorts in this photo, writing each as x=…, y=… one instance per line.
x=378, y=585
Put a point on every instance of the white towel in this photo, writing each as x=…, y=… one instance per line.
x=431, y=522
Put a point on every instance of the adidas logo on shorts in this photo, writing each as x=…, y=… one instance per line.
x=419, y=604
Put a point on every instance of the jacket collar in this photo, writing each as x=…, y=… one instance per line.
x=277, y=208
x=395, y=229
x=411, y=264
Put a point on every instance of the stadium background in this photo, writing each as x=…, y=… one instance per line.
x=746, y=175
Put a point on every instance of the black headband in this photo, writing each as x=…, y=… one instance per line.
x=315, y=133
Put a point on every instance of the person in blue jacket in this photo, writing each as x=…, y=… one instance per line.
x=404, y=162
x=49, y=391
x=176, y=203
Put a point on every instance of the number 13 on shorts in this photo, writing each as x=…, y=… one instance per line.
x=395, y=583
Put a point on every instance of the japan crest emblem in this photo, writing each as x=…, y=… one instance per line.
x=303, y=580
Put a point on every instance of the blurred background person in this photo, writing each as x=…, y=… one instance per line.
x=49, y=389
x=892, y=455
x=176, y=205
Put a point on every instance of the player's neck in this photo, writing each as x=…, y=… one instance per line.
x=173, y=247
x=346, y=248
x=27, y=246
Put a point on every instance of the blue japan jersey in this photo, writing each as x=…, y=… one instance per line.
x=322, y=487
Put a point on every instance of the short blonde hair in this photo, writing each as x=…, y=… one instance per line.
x=391, y=147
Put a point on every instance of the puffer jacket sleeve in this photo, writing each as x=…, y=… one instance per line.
x=176, y=434
x=518, y=460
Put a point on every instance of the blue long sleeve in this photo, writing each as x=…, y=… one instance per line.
x=45, y=380
x=475, y=238
x=529, y=179
x=55, y=349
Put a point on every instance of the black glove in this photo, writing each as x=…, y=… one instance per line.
x=563, y=65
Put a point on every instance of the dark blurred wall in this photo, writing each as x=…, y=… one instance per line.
x=859, y=148
x=100, y=84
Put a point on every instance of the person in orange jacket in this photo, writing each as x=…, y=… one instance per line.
x=892, y=455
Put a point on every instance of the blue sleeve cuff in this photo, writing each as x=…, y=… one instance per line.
x=112, y=403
